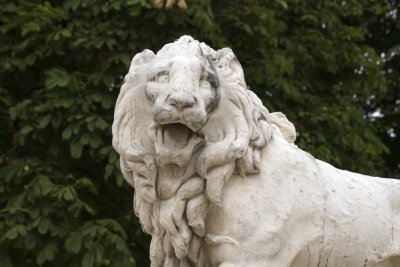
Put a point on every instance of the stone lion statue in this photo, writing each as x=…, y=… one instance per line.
x=219, y=182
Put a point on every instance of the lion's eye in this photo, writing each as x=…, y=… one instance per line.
x=161, y=77
x=205, y=84
x=208, y=81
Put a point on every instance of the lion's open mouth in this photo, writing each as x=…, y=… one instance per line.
x=176, y=143
x=175, y=135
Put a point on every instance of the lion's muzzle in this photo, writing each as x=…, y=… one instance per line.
x=182, y=107
x=180, y=100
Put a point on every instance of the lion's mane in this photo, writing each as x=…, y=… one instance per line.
x=236, y=132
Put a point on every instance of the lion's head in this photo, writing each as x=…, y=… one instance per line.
x=184, y=123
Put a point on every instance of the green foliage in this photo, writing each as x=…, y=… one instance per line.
x=310, y=62
x=63, y=201
x=384, y=36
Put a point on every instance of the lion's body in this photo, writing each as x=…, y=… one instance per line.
x=219, y=182
x=299, y=212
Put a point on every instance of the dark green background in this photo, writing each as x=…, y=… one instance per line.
x=328, y=65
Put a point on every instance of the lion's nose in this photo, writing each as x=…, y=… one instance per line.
x=181, y=101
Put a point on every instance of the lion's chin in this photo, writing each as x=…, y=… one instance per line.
x=175, y=144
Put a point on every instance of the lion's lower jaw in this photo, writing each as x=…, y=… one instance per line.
x=175, y=144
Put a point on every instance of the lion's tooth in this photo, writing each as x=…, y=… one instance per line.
x=160, y=134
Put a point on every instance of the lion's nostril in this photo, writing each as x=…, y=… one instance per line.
x=181, y=101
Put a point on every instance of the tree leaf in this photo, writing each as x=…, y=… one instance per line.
x=30, y=241
x=48, y=253
x=12, y=233
x=88, y=258
x=44, y=121
x=66, y=134
x=74, y=243
x=56, y=78
x=76, y=150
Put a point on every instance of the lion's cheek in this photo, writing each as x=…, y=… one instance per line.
x=215, y=137
x=163, y=114
x=195, y=117
x=215, y=131
x=153, y=90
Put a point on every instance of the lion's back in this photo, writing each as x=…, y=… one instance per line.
x=361, y=213
x=352, y=217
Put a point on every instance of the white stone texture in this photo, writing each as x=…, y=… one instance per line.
x=219, y=182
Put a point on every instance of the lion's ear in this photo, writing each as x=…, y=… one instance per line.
x=141, y=58
x=226, y=58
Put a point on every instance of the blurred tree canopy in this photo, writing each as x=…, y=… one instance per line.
x=333, y=67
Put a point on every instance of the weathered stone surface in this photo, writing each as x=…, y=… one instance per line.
x=219, y=182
